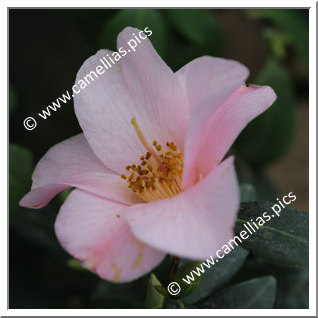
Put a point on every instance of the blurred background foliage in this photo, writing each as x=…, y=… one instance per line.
x=47, y=47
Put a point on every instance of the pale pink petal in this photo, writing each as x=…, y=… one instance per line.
x=72, y=163
x=208, y=82
x=92, y=230
x=194, y=224
x=154, y=86
x=203, y=77
x=229, y=120
x=138, y=85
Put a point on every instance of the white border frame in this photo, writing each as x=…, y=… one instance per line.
x=312, y=161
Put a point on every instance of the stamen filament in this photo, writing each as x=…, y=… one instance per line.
x=148, y=148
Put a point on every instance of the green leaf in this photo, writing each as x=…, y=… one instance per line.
x=138, y=18
x=248, y=192
x=75, y=264
x=20, y=170
x=153, y=298
x=291, y=22
x=182, y=272
x=296, y=299
x=195, y=24
x=290, y=281
x=198, y=33
x=258, y=293
x=64, y=194
x=270, y=135
x=177, y=282
x=292, y=286
x=162, y=290
x=282, y=240
x=278, y=42
x=218, y=275
x=34, y=225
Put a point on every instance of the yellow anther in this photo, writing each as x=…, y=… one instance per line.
x=158, y=175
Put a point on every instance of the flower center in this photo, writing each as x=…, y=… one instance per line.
x=159, y=172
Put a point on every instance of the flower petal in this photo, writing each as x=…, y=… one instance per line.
x=91, y=230
x=138, y=85
x=205, y=76
x=243, y=106
x=154, y=85
x=72, y=163
x=194, y=224
x=209, y=82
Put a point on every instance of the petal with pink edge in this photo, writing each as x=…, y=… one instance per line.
x=209, y=82
x=230, y=119
x=194, y=224
x=92, y=230
x=138, y=85
x=72, y=163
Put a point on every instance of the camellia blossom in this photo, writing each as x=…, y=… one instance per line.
x=147, y=170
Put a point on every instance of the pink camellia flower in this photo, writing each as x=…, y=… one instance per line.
x=147, y=171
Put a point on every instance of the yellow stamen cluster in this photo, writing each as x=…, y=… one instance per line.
x=159, y=173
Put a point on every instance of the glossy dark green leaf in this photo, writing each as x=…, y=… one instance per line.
x=296, y=299
x=290, y=281
x=293, y=289
x=269, y=136
x=282, y=240
x=258, y=293
x=218, y=274
x=153, y=298
x=138, y=18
